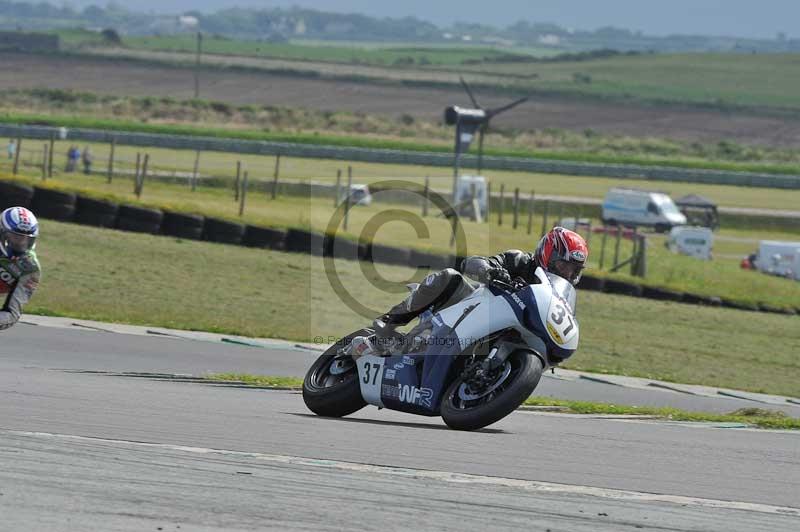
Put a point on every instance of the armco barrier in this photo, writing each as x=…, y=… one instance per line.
x=624, y=171
x=140, y=219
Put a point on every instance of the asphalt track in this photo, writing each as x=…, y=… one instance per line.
x=90, y=451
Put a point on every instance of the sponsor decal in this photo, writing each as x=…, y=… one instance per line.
x=437, y=321
x=7, y=278
x=518, y=301
x=554, y=333
x=408, y=361
x=415, y=396
x=389, y=374
x=399, y=365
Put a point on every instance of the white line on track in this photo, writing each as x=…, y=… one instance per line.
x=445, y=476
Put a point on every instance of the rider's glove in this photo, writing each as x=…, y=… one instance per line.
x=495, y=274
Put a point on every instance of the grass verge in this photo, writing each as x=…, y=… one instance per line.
x=758, y=417
x=314, y=138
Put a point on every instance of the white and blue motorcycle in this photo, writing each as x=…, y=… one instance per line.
x=471, y=363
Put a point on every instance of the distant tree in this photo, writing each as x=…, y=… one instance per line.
x=111, y=36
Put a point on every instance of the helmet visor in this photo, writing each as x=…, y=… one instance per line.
x=19, y=244
x=571, y=271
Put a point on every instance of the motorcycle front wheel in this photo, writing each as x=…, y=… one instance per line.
x=471, y=405
x=331, y=387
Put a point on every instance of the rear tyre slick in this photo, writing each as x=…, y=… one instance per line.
x=333, y=395
x=526, y=370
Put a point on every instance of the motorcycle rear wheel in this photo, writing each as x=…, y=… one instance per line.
x=518, y=384
x=331, y=386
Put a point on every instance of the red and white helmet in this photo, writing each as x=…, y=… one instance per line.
x=564, y=253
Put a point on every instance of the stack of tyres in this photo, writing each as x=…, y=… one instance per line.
x=223, y=231
x=99, y=213
x=15, y=195
x=53, y=204
x=181, y=225
x=139, y=219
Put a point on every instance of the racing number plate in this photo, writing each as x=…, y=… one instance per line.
x=560, y=324
x=370, y=378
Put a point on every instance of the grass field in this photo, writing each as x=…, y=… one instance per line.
x=715, y=80
x=322, y=170
x=108, y=275
x=392, y=131
x=717, y=278
x=401, y=55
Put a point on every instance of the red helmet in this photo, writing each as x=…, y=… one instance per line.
x=562, y=252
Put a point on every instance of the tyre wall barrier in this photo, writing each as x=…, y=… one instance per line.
x=388, y=255
x=345, y=153
x=15, y=195
x=53, y=204
x=264, y=237
x=181, y=225
x=662, y=294
x=302, y=241
x=613, y=286
x=223, y=231
x=99, y=213
x=589, y=282
x=139, y=219
x=103, y=213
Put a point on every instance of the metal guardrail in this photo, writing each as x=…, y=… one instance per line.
x=347, y=153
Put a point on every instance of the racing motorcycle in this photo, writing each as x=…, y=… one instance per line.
x=472, y=363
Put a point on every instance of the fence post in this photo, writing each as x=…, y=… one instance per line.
x=338, y=190
x=544, y=216
x=44, y=162
x=50, y=156
x=616, y=246
x=425, y=198
x=140, y=184
x=347, y=196
x=531, y=200
x=238, y=179
x=559, y=214
x=243, y=195
x=488, y=200
x=109, y=177
x=16, y=155
x=500, y=210
x=603, y=246
x=277, y=173
x=642, y=263
x=196, y=169
x=137, y=170
x=516, y=208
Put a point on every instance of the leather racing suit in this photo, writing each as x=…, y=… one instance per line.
x=449, y=286
x=19, y=278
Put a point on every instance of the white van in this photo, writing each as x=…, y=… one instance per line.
x=692, y=241
x=628, y=206
x=779, y=258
